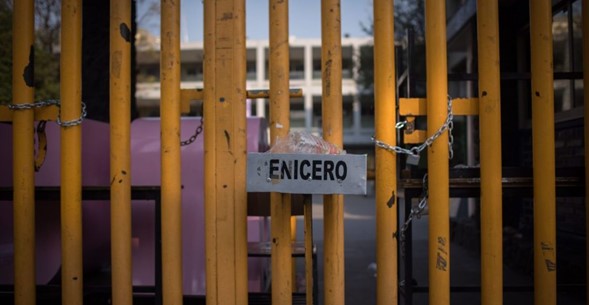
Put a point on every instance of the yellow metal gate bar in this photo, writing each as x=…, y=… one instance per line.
x=490, y=152
x=120, y=151
x=23, y=160
x=71, y=152
x=210, y=140
x=543, y=152
x=386, y=171
x=170, y=154
x=331, y=111
x=437, y=161
x=282, y=270
x=225, y=152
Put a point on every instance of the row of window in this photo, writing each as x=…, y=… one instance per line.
x=193, y=71
x=298, y=114
x=567, y=36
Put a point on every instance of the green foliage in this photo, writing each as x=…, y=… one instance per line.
x=48, y=24
x=409, y=14
x=46, y=61
x=46, y=74
x=5, y=53
x=366, y=69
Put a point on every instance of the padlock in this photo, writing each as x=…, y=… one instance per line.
x=413, y=159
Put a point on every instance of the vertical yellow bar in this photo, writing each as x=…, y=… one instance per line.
x=239, y=154
x=543, y=152
x=209, y=153
x=293, y=239
x=386, y=170
x=120, y=151
x=490, y=150
x=71, y=153
x=309, y=280
x=170, y=153
x=333, y=205
x=585, y=16
x=23, y=91
x=437, y=161
x=225, y=124
x=279, y=126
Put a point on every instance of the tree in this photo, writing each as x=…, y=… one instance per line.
x=95, y=81
x=46, y=61
x=48, y=23
x=408, y=14
x=47, y=27
x=148, y=17
x=5, y=52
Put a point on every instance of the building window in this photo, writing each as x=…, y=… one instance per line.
x=316, y=62
x=317, y=119
x=148, y=73
x=367, y=111
x=297, y=113
x=297, y=63
x=191, y=72
x=567, y=56
x=347, y=62
x=251, y=68
x=297, y=69
x=348, y=111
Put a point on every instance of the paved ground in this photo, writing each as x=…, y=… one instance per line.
x=360, y=253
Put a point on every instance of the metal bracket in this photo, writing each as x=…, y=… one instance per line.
x=188, y=95
x=48, y=113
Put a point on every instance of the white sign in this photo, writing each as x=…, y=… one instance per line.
x=306, y=173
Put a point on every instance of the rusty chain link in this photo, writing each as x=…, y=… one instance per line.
x=192, y=138
x=416, y=213
x=51, y=102
x=415, y=150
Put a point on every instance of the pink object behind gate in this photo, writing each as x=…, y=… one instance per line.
x=145, y=170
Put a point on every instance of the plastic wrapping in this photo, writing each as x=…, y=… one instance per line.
x=304, y=143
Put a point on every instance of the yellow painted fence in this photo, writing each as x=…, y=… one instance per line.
x=224, y=97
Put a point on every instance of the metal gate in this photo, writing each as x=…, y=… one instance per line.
x=225, y=154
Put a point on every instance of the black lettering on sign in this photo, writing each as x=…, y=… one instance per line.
x=304, y=175
x=284, y=171
x=316, y=169
x=273, y=167
x=328, y=170
x=341, y=170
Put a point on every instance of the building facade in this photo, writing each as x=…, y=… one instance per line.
x=305, y=73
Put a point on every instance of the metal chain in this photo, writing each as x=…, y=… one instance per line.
x=415, y=150
x=51, y=102
x=416, y=212
x=192, y=138
x=450, y=122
